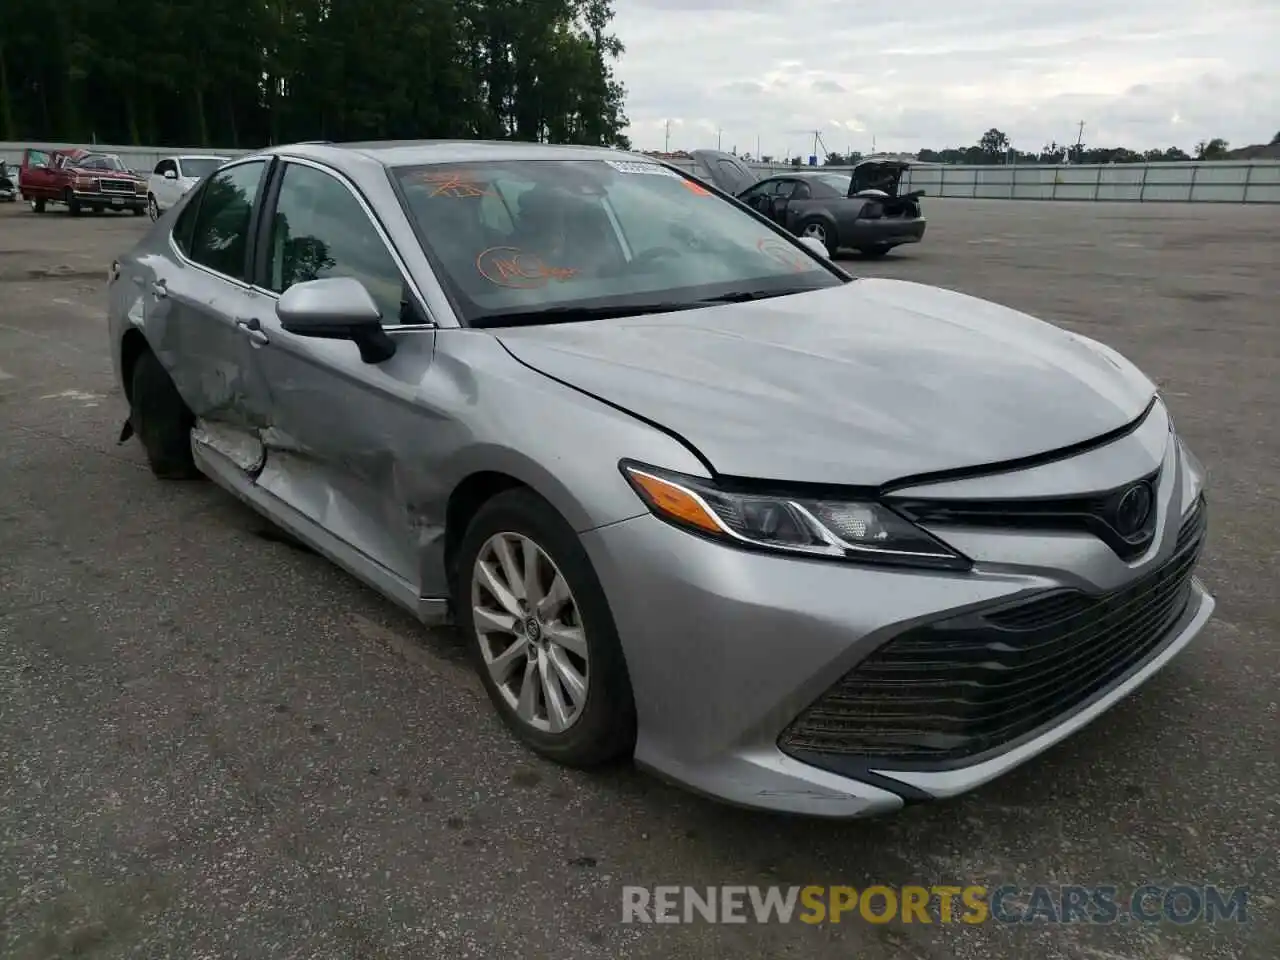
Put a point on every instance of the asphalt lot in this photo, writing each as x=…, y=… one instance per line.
x=215, y=745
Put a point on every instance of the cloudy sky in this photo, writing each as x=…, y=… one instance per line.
x=932, y=73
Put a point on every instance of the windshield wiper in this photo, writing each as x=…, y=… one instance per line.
x=744, y=296
x=572, y=314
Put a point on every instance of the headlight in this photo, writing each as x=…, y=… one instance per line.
x=821, y=528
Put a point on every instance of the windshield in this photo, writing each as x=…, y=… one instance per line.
x=539, y=241
x=100, y=161
x=200, y=167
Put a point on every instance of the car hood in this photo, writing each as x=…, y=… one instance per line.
x=107, y=174
x=874, y=381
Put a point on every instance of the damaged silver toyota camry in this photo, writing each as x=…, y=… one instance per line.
x=692, y=493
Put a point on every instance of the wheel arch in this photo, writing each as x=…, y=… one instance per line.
x=133, y=344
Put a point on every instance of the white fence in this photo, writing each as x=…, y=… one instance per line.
x=1218, y=181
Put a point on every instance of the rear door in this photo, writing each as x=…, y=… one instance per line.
x=197, y=302
x=350, y=441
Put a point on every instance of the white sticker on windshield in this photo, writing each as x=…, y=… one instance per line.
x=636, y=166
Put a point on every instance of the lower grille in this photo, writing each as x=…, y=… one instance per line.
x=955, y=689
x=118, y=186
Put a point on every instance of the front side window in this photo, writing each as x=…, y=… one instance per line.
x=320, y=230
x=513, y=240
x=218, y=236
x=37, y=158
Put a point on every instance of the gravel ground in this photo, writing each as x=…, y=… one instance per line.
x=215, y=745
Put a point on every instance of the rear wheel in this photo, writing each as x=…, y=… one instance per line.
x=541, y=632
x=162, y=420
x=822, y=232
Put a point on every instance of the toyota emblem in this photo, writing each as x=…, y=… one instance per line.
x=1133, y=510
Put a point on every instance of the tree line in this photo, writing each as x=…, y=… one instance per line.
x=993, y=147
x=248, y=73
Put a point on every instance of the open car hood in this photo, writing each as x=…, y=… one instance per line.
x=727, y=172
x=883, y=175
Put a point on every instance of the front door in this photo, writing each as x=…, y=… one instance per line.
x=349, y=445
x=198, y=307
x=36, y=175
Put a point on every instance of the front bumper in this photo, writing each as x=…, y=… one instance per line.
x=115, y=201
x=726, y=649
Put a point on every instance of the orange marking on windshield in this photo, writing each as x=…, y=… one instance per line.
x=694, y=187
x=513, y=267
x=457, y=185
x=784, y=253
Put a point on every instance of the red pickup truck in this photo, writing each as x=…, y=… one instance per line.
x=79, y=179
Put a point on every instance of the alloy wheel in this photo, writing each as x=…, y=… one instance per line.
x=153, y=209
x=817, y=231
x=530, y=633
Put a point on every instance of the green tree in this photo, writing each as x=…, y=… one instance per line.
x=243, y=73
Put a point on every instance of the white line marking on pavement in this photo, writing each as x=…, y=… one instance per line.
x=73, y=395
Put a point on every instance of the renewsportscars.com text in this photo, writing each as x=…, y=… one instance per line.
x=970, y=903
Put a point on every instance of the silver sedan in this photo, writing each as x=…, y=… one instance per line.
x=693, y=494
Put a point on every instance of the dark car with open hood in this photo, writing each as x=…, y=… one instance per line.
x=861, y=209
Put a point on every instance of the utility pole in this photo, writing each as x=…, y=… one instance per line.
x=666, y=143
x=718, y=133
x=757, y=146
x=1079, y=138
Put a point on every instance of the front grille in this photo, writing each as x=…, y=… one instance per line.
x=952, y=690
x=118, y=186
x=1096, y=514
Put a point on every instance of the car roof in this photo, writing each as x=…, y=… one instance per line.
x=400, y=153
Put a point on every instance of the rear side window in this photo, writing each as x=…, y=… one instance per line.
x=213, y=230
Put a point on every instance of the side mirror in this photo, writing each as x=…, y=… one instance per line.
x=816, y=246
x=171, y=174
x=336, y=308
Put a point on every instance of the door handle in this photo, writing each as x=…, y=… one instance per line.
x=252, y=328
x=159, y=289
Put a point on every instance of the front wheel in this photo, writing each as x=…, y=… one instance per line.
x=37, y=204
x=541, y=632
x=822, y=232
x=153, y=208
x=73, y=205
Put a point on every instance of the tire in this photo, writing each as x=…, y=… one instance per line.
x=820, y=230
x=875, y=252
x=162, y=420
x=603, y=725
x=97, y=209
x=73, y=205
x=37, y=205
x=153, y=208
x=138, y=211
